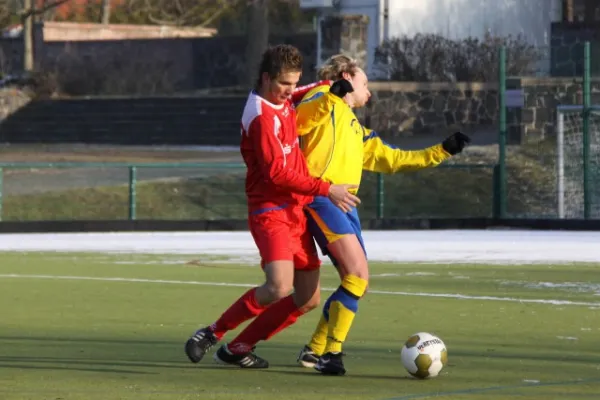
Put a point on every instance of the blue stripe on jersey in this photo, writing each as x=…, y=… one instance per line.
x=374, y=135
x=267, y=209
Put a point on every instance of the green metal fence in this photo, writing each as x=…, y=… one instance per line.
x=558, y=164
x=109, y=191
x=547, y=166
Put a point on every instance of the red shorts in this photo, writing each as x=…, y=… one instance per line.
x=282, y=234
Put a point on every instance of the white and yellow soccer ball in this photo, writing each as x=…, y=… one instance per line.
x=424, y=355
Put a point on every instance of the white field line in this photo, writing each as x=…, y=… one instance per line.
x=384, y=292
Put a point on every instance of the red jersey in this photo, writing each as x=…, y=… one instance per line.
x=277, y=173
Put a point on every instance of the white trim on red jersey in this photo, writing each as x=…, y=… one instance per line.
x=253, y=109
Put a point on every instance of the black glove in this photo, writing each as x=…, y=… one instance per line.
x=341, y=88
x=455, y=143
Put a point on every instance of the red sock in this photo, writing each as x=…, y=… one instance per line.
x=276, y=318
x=243, y=309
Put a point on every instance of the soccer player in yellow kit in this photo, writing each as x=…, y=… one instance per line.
x=337, y=149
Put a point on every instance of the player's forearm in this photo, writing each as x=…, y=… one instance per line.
x=290, y=180
x=418, y=159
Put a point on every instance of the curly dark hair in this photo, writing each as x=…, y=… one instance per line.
x=279, y=59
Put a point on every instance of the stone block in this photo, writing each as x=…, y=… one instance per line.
x=528, y=115
x=344, y=34
x=425, y=103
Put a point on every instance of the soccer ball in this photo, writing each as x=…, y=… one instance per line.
x=424, y=355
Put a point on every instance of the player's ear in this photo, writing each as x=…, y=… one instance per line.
x=347, y=76
x=266, y=79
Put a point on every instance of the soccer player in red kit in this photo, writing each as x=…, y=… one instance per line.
x=278, y=186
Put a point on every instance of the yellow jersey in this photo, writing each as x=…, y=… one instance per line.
x=337, y=147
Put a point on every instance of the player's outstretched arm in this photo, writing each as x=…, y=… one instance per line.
x=380, y=156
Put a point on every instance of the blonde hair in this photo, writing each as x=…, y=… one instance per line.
x=335, y=66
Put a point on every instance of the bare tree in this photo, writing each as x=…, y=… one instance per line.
x=8, y=11
x=186, y=12
x=27, y=24
x=105, y=19
x=258, y=37
x=567, y=10
x=27, y=16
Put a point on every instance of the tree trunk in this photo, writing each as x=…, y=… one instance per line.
x=567, y=6
x=105, y=12
x=27, y=22
x=257, y=38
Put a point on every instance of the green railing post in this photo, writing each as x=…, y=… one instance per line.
x=501, y=201
x=380, y=196
x=132, y=192
x=216, y=167
x=1, y=190
x=495, y=192
x=586, y=131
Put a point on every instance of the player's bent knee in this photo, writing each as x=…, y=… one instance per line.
x=277, y=292
x=359, y=270
x=268, y=294
x=313, y=302
x=307, y=293
x=279, y=284
x=350, y=256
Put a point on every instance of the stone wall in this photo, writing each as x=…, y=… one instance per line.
x=398, y=110
x=409, y=109
x=537, y=119
x=566, y=47
x=344, y=34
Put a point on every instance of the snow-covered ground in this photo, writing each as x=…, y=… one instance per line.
x=449, y=246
